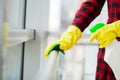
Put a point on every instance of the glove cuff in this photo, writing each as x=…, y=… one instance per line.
x=76, y=30
x=116, y=27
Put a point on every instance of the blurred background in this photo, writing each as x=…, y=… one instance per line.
x=23, y=59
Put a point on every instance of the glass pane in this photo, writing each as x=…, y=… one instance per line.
x=1, y=38
x=13, y=55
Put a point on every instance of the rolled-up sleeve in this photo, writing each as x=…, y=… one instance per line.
x=87, y=12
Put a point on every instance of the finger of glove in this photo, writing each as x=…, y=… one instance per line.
x=49, y=47
x=105, y=43
x=46, y=51
x=94, y=36
x=107, y=40
x=102, y=43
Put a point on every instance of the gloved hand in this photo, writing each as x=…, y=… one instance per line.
x=67, y=40
x=106, y=34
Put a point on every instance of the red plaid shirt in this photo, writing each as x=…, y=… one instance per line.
x=88, y=11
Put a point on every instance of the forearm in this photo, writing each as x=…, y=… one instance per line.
x=88, y=11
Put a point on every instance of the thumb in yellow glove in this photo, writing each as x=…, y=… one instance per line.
x=106, y=34
x=67, y=40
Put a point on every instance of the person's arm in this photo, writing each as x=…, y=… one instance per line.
x=88, y=11
x=106, y=34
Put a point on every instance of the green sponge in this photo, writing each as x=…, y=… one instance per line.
x=56, y=47
x=96, y=27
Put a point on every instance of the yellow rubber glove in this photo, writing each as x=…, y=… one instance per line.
x=67, y=40
x=106, y=34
